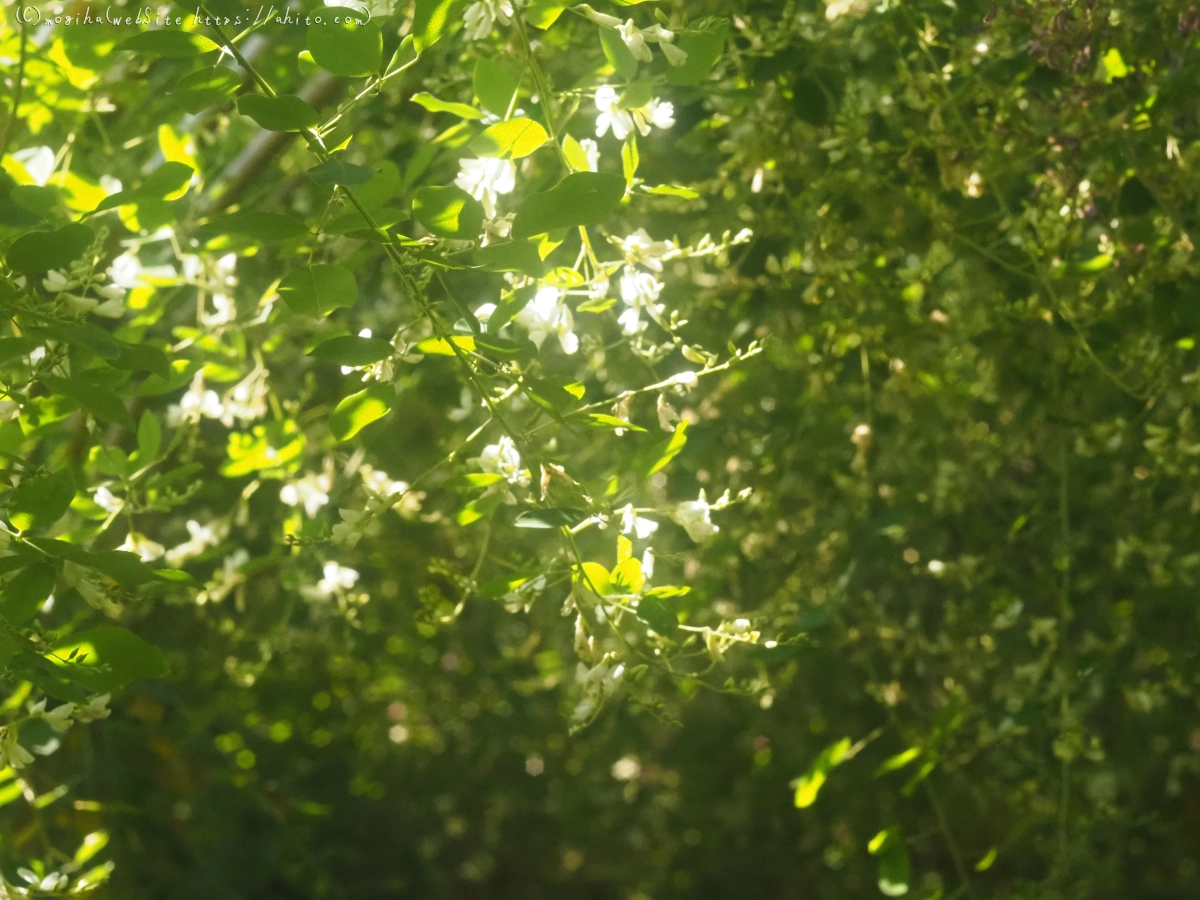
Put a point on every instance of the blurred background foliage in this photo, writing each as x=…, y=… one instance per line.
x=971, y=442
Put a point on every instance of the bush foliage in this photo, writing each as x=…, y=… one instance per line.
x=482, y=448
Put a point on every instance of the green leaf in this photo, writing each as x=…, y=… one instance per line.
x=894, y=871
x=91, y=337
x=149, y=438
x=352, y=351
x=40, y=200
x=359, y=410
x=318, y=290
x=509, y=306
x=594, y=577
x=667, y=451
x=703, y=49
x=671, y=190
x=338, y=171
x=1135, y=198
x=261, y=225
x=479, y=508
x=352, y=223
x=268, y=446
x=510, y=140
x=988, y=859
x=617, y=54
x=600, y=420
x=103, y=403
x=582, y=198
x=164, y=42
x=16, y=347
x=575, y=154
x=1112, y=66
x=637, y=94
x=899, y=761
x=284, y=113
x=38, y=251
x=884, y=840
x=431, y=19
x=115, y=657
x=511, y=256
x=542, y=13
x=41, y=500
x=167, y=179
x=143, y=358
x=433, y=104
x=495, y=82
x=656, y=612
x=627, y=577
x=448, y=212
x=206, y=87
x=436, y=346
x=350, y=49
x=474, y=480
x=809, y=784
x=630, y=159
x=25, y=593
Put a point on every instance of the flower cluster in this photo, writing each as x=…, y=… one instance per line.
x=638, y=40
x=622, y=121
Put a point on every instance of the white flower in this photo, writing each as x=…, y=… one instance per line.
x=38, y=162
x=226, y=312
x=686, y=379
x=484, y=312
x=546, y=313
x=195, y=403
x=56, y=281
x=639, y=248
x=502, y=458
x=16, y=755
x=246, y=401
x=619, y=120
x=311, y=491
x=482, y=15
x=626, y=769
x=96, y=708
x=639, y=290
x=59, y=718
x=348, y=531
x=592, y=151
x=497, y=228
x=837, y=8
x=674, y=55
x=127, y=271
x=693, y=515
x=657, y=113
x=203, y=537
x=635, y=40
x=106, y=501
x=484, y=179
x=336, y=579
x=631, y=521
x=145, y=548
x=379, y=482
x=667, y=416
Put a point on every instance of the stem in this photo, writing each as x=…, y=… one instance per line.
x=544, y=93
x=16, y=96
